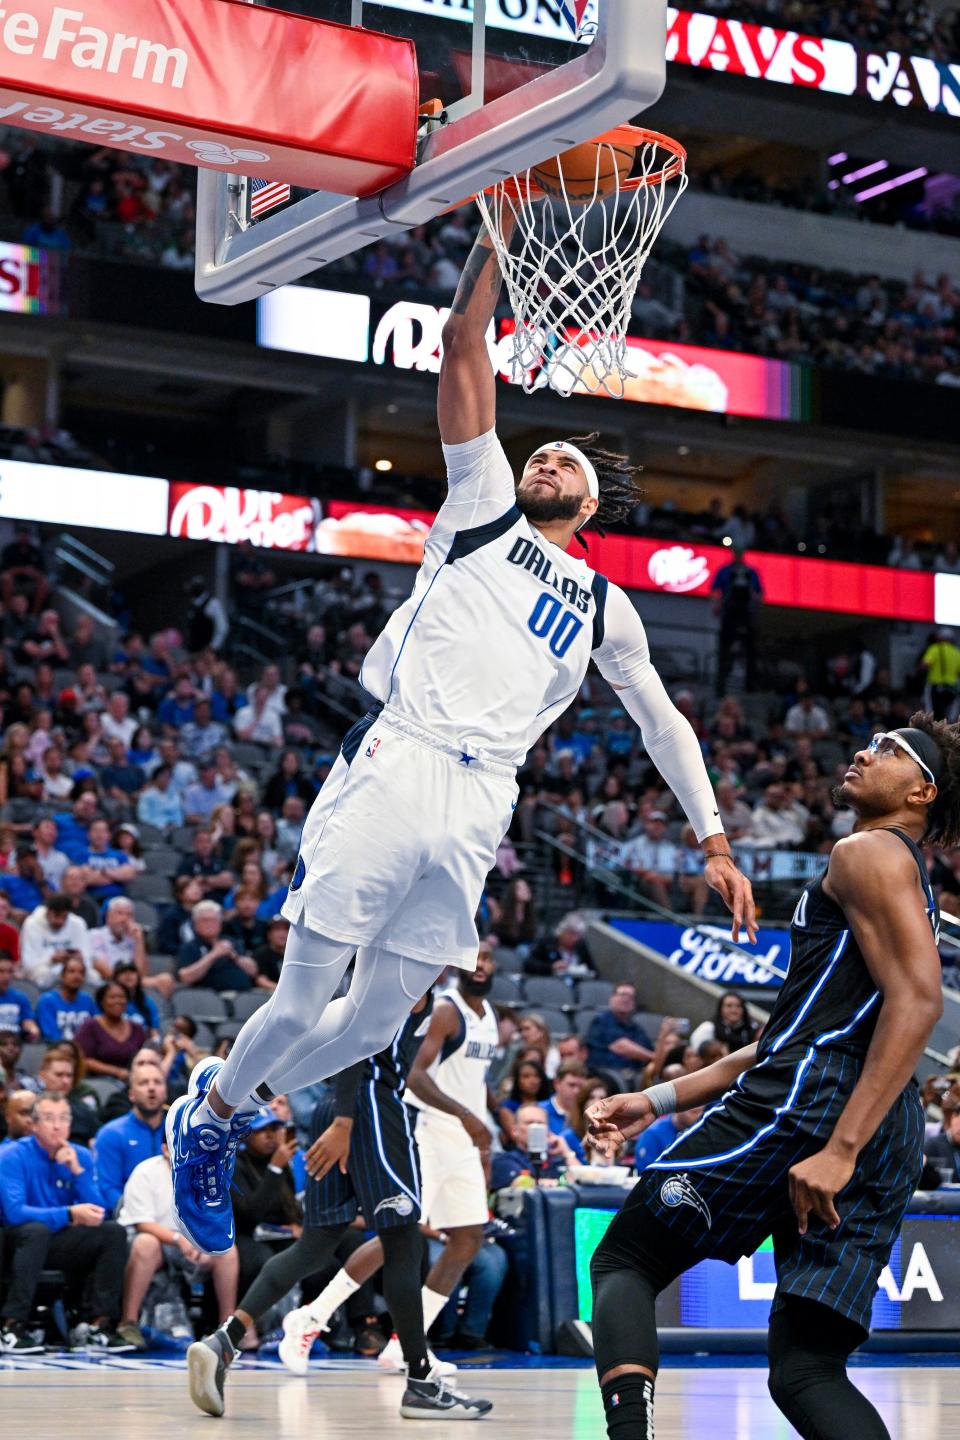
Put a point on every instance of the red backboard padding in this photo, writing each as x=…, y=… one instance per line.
x=197, y=81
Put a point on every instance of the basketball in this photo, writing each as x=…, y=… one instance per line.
x=586, y=170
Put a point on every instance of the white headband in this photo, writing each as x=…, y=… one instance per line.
x=593, y=484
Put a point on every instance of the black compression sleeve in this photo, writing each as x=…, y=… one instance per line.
x=345, y=1088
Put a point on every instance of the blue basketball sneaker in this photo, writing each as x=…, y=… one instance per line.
x=203, y=1158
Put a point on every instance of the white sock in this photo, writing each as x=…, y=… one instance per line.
x=206, y=1115
x=432, y=1305
x=341, y=1287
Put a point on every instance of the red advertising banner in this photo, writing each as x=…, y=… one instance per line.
x=227, y=515
x=215, y=83
x=29, y=279
x=371, y=532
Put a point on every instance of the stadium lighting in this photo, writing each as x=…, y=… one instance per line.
x=839, y=158
x=865, y=170
x=383, y=465
x=885, y=185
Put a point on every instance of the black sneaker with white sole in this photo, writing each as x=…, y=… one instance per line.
x=17, y=1340
x=435, y=1399
x=208, y=1361
x=100, y=1337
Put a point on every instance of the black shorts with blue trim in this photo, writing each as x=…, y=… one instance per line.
x=722, y=1187
x=382, y=1182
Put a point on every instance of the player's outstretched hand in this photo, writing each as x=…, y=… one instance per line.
x=332, y=1148
x=736, y=892
x=815, y=1184
x=612, y=1122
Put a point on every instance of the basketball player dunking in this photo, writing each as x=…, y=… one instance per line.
x=491, y=647
x=817, y=1132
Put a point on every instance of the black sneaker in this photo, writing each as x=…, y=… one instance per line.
x=208, y=1361
x=370, y=1339
x=18, y=1340
x=435, y=1399
x=100, y=1337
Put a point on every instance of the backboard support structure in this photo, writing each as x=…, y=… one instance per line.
x=608, y=81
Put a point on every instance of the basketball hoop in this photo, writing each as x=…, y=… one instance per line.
x=572, y=265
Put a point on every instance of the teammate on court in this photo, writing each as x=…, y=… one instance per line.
x=362, y=1160
x=817, y=1132
x=491, y=647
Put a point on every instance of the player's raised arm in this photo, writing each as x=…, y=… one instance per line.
x=868, y=876
x=624, y=660
x=466, y=399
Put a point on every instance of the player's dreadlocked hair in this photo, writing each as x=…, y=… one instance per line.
x=619, y=487
x=943, y=823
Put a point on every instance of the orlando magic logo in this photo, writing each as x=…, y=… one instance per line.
x=402, y=1204
x=677, y=1190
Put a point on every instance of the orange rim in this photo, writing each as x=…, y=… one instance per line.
x=633, y=135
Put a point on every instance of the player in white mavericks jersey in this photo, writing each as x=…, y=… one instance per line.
x=448, y=1085
x=490, y=648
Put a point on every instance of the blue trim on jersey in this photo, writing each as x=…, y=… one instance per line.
x=466, y=542
x=781, y=1040
x=599, y=588
x=452, y=1044
x=413, y=621
x=354, y=737
x=374, y=1110
x=564, y=700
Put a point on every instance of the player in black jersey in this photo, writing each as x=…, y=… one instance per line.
x=363, y=1159
x=815, y=1133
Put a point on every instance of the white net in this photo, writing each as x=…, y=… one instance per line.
x=572, y=265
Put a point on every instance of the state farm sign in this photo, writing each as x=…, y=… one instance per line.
x=765, y=52
x=227, y=515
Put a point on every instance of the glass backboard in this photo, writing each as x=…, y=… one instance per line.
x=515, y=84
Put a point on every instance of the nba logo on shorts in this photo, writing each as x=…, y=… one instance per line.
x=372, y=748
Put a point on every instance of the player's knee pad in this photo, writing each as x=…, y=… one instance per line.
x=806, y=1349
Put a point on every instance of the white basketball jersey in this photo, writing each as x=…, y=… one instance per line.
x=496, y=638
x=461, y=1068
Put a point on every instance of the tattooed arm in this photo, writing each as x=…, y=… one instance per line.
x=466, y=400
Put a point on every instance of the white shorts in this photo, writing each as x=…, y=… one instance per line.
x=398, y=844
x=453, y=1188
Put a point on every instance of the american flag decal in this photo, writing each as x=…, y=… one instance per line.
x=267, y=195
x=574, y=12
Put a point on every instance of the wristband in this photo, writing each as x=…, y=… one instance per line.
x=719, y=855
x=663, y=1098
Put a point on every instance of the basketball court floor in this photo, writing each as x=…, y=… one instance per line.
x=64, y=1397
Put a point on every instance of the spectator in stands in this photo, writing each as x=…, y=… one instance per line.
x=565, y=954
x=74, y=887
x=50, y=936
x=731, y=1023
x=176, y=925
x=778, y=821
x=46, y=641
x=567, y=1084
x=159, y=804
x=651, y=859
x=202, y=797
x=737, y=592
x=509, y=1165
x=528, y=1083
x=55, y=1212
x=62, y=1072
x=269, y=956
x=243, y=926
x=22, y=568
x=121, y=780
x=573, y=1047
x=176, y=709
x=288, y=780
x=116, y=720
x=122, y=1144
x=18, y=1116
x=535, y=1036
x=943, y=1150
x=147, y=1208
x=806, y=717
x=108, y=1039
x=517, y=924
x=108, y=869
x=941, y=661
x=57, y=784
x=215, y=879
x=140, y=1007
x=212, y=960
x=52, y=862
x=617, y=1041
x=263, y=1192
x=9, y=934
x=61, y=1011
x=11, y=1052
x=119, y=940
x=25, y=889
x=259, y=722
x=16, y=1011
x=201, y=735
x=290, y=827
